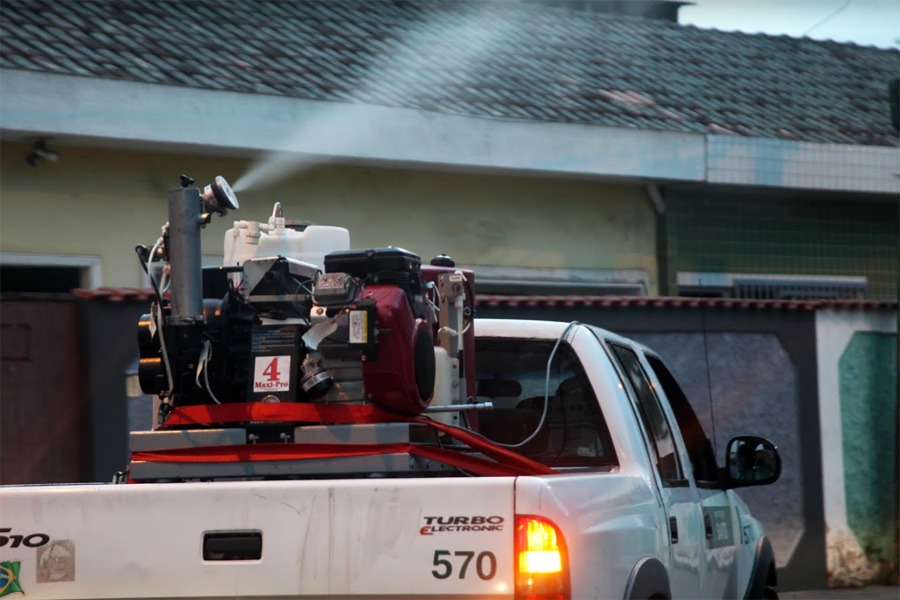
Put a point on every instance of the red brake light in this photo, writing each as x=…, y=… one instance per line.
x=542, y=570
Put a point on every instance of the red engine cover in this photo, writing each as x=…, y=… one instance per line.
x=401, y=379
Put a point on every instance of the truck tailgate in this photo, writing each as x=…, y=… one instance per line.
x=345, y=538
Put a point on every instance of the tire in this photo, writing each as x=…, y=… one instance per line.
x=764, y=577
x=648, y=579
x=771, y=579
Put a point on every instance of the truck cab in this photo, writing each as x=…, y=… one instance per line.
x=615, y=409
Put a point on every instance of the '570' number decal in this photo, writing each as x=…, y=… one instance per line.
x=485, y=564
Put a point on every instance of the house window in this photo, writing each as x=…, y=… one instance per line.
x=36, y=273
x=770, y=287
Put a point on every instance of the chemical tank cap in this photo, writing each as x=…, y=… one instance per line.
x=442, y=260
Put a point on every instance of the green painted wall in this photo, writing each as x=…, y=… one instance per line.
x=730, y=232
x=102, y=203
x=868, y=393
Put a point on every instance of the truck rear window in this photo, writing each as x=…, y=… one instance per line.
x=513, y=375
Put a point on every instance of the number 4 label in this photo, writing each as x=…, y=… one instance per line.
x=272, y=374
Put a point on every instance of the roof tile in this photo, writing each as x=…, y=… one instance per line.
x=532, y=61
x=488, y=300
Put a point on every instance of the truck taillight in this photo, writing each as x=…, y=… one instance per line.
x=542, y=570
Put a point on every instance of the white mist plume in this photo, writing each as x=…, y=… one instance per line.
x=452, y=52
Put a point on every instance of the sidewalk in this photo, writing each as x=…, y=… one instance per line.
x=876, y=591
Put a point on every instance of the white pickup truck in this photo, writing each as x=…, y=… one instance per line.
x=572, y=468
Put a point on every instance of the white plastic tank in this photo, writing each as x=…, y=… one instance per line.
x=250, y=239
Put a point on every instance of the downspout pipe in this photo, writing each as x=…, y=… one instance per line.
x=662, y=238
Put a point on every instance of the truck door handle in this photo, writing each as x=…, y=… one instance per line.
x=232, y=545
x=707, y=524
x=673, y=529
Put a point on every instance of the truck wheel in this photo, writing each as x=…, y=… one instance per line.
x=763, y=586
x=769, y=593
x=649, y=579
x=764, y=577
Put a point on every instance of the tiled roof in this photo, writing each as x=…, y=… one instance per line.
x=493, y=301
x=112, y=294
x=504, y=60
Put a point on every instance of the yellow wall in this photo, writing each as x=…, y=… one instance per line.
x=104, y=202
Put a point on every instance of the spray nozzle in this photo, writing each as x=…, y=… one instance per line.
x=219, y=197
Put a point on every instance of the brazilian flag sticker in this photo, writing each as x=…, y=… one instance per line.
x=9, y=578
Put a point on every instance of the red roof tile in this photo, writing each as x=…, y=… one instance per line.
x=126, y=294
x=113, y=294
x=483, y=300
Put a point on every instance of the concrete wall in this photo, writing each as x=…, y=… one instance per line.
x=102, y=203
x=857, y=357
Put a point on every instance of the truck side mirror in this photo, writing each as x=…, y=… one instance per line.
x=750, y=461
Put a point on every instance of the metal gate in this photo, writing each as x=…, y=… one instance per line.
x=42, y=403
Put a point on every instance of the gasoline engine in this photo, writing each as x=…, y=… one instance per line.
x=295, y=315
